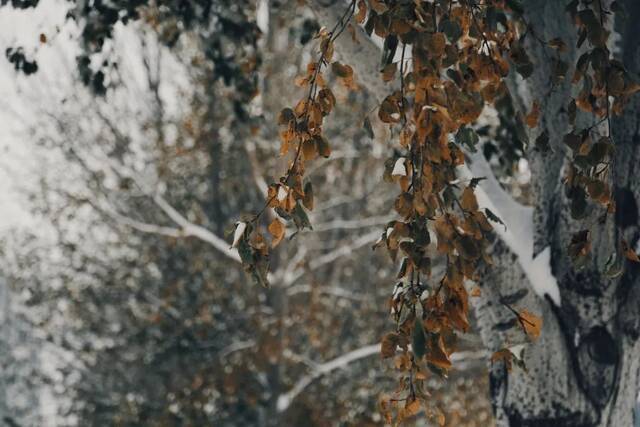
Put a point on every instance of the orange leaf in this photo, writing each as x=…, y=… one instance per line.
x=276, y=228
x=412, y=407
x=531, y=323
x=342, y=71
x=534, y=114
x=389, y=344
x=503, y=355
x=362, y=12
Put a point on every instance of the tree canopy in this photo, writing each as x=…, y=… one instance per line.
x=452, y=91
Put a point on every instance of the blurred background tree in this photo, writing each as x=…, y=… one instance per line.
x=140, y=148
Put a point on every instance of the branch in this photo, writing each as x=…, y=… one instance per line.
x=291, y=277
x=284, y=400
x=330, y=290
x=187, y=228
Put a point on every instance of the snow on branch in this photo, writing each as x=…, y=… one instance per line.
x=284, y=400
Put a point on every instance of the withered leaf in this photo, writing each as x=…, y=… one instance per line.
x=300, y=217
x=419, y=339
x=468, y=200
x=307, y=200
x=530, y=323
x=388, y=344
x=277, y=230
x=341, y=70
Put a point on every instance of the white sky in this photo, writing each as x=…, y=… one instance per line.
x=17, y=103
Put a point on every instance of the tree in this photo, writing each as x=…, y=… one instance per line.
x=442, y=61
x=569, y=249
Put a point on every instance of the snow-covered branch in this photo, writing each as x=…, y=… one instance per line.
x=330, y=257
x=284, y=400
x=330, y=290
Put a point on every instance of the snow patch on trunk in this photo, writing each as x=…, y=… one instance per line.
x=518, y=234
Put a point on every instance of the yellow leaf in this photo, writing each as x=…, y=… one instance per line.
x=277, y=229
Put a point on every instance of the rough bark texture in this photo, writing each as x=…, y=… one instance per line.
x=584, y=369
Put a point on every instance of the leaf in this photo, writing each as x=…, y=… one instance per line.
x=580, y=245
x=437, y=354
x=378, y=6
x=506, y=325
x=277, y=229
x=388, y=345
x=412, y=407
x=532, y=118
x=466, y=246
x=300, y=217
x=475, y=292
x=514, y=297
x=389, y=112
x=468, y=200
x=493, y=217
x=389, y=71
x=307, y=200
x=451, y=29
x=324, y=149
x=503, y=355
x=362, y=12
x=418, y=338
x=309, y=149
x=542, y=142
x=531, y=324
x=368, y=128
x=614, y=266
x=629, y=252
x=557, y=44
x=286, y=116
x=246, y=255
x=467, y=136
x=239, y=232
x=341, y=70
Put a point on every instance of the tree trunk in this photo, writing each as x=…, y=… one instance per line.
x=585, y=369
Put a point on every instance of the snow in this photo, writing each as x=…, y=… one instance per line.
x=518, y=235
